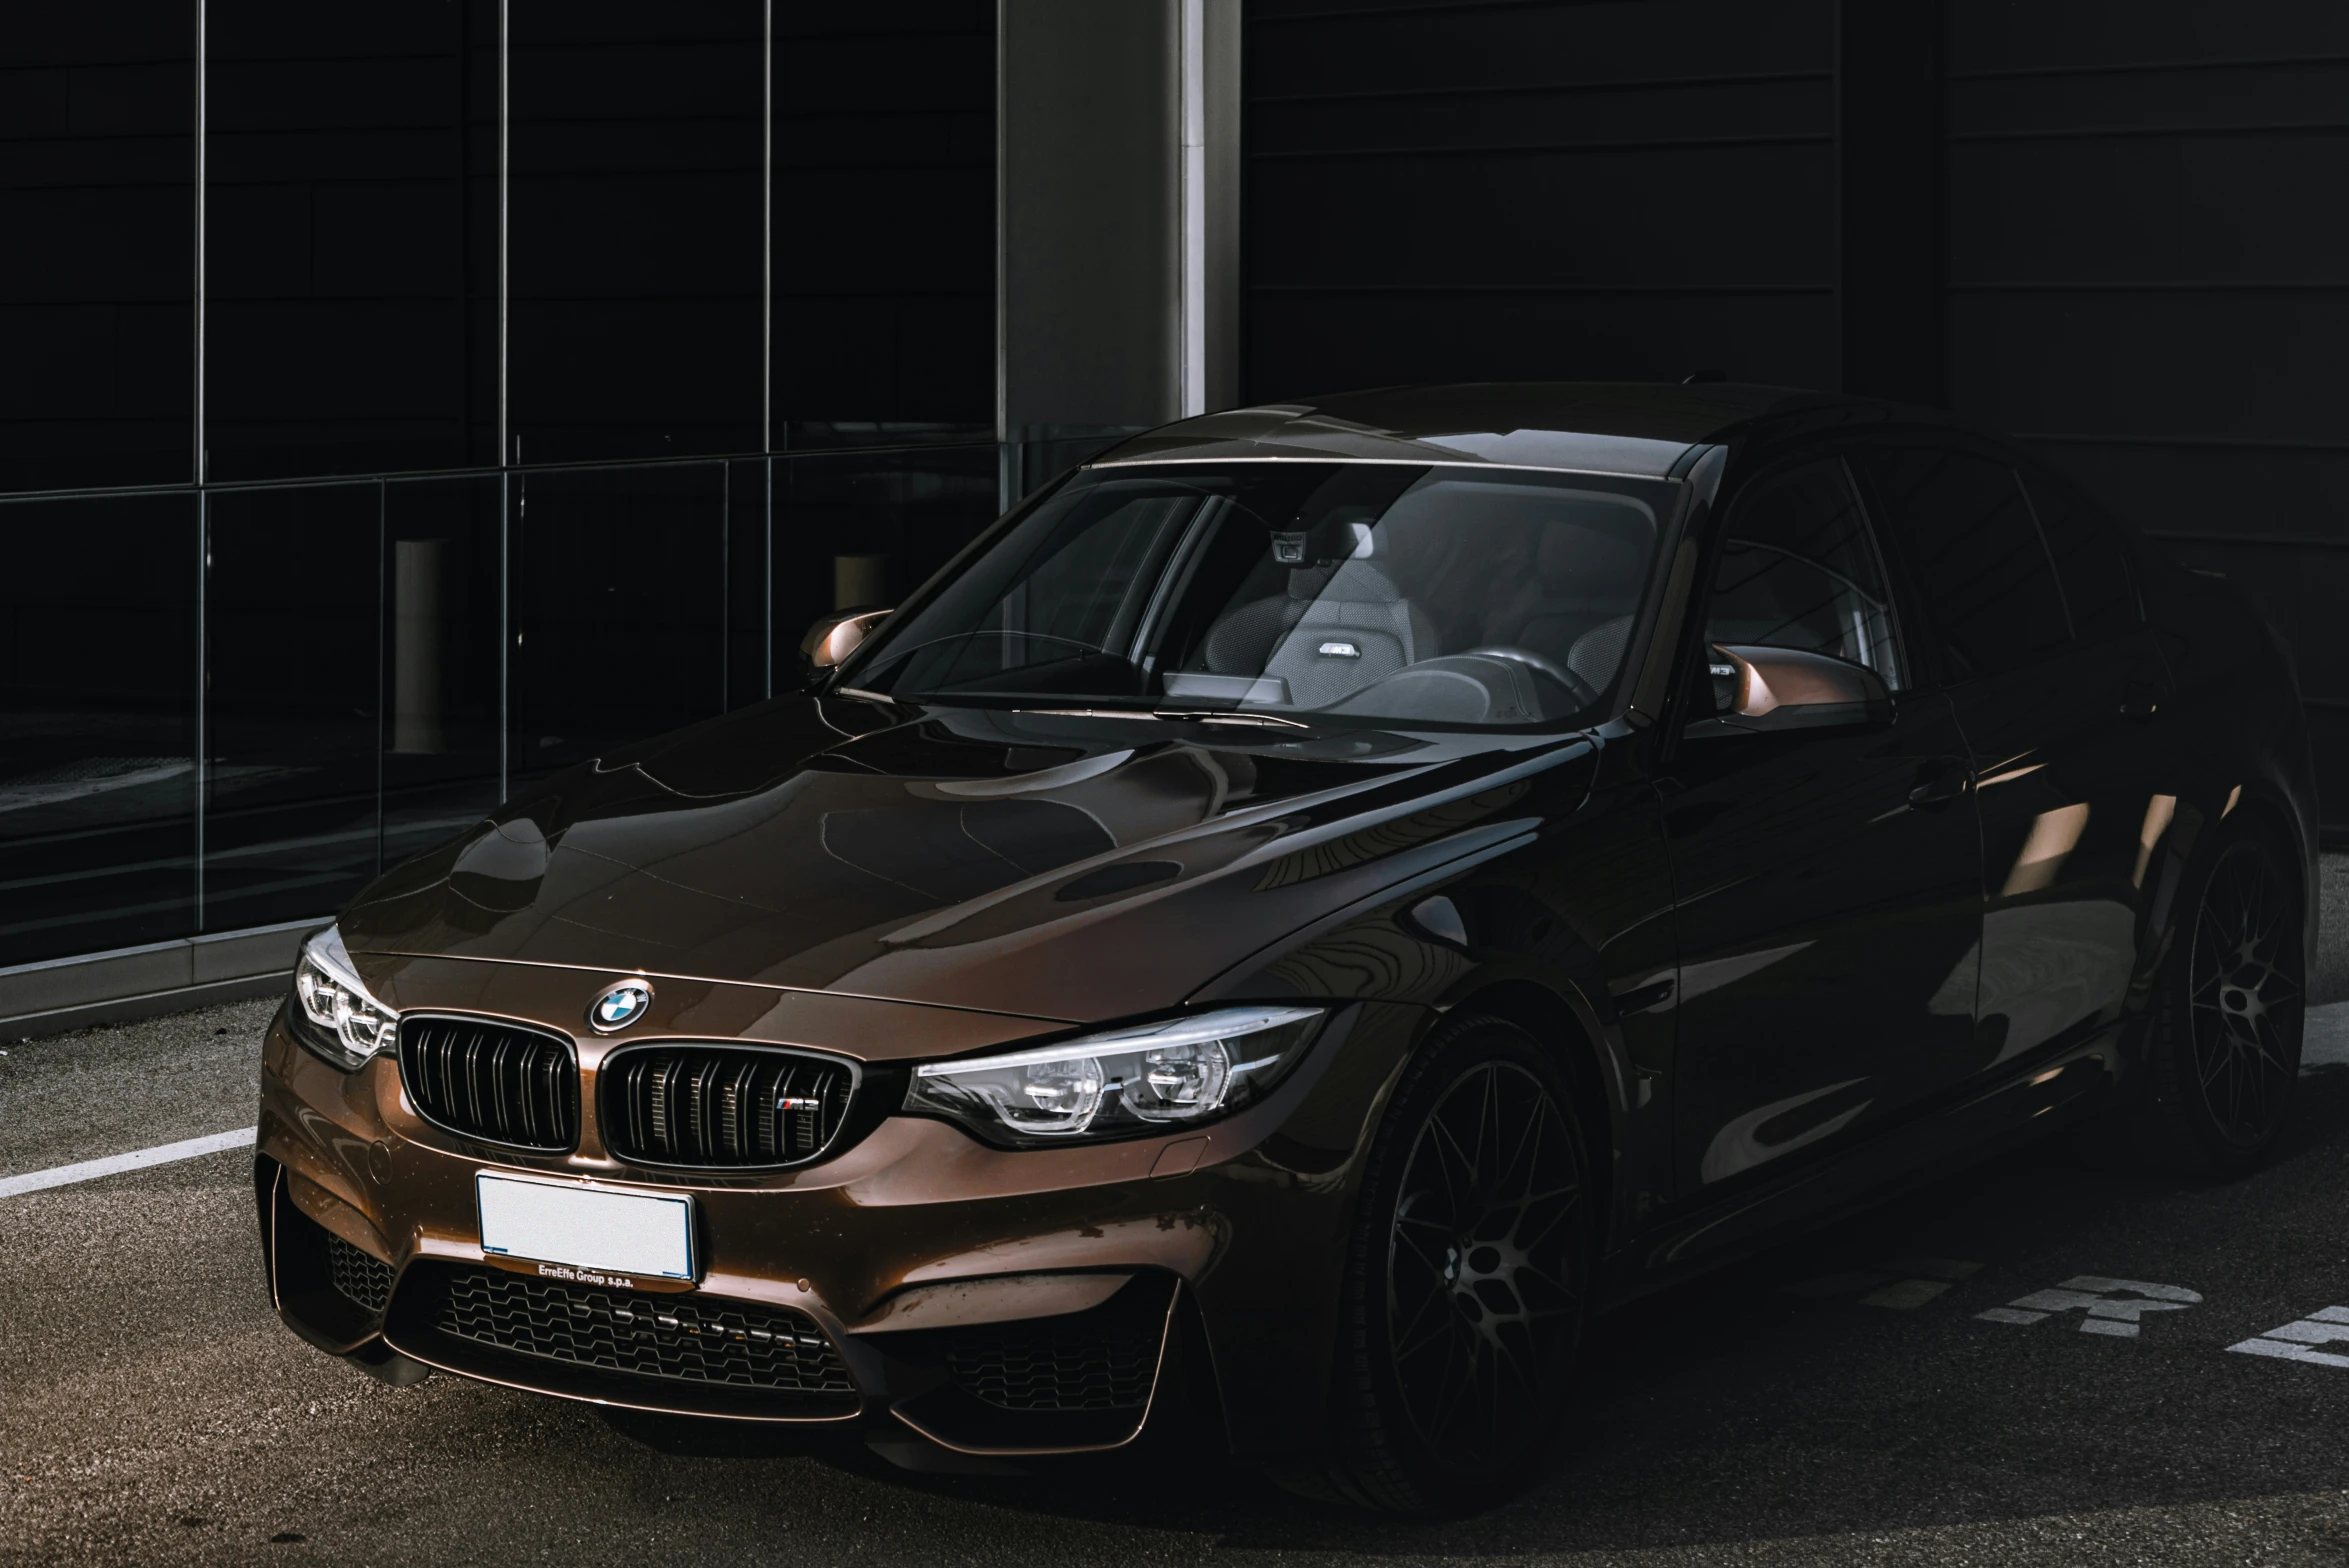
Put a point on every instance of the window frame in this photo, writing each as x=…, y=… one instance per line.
x=2036, y=477
x=1947, y=675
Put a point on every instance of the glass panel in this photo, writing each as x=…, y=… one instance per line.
x=619, y=607
x=351, y=220
x=884, y=222
x=440, y=566
x=1356, y=592
x=2100, y=588
x=746, y=581
x=868, y=528
x=1977, y=556
x=1798, y=570
x=97, y=277
x=97, y=724
x=634, y=207
x=290, y=617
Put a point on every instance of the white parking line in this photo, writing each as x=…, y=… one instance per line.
x=2324, y=1037
x=115, y=1164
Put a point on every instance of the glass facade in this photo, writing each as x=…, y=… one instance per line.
x=410, y=398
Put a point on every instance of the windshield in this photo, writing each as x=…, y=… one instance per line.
x=1383, y=593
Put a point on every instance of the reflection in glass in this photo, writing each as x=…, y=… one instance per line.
x=1977, y=556
x=439, y=564
x=97, y=278
x=619, y=605
x=291, y=728
x=747, y=484
x=97, y=724
x=875, y=524
x=351, y=225
x=1798, y=570
x=884, y=242
x=633, y=212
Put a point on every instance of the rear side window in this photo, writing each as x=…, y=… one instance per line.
x=2092, y=557
x=1980, y=565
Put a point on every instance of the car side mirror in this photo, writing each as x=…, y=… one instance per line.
x=1765, y=690
x=832, y=639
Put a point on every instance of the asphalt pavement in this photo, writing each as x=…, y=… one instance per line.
x=1840, y=1400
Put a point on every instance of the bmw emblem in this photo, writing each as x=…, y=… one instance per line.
x=618, y=1006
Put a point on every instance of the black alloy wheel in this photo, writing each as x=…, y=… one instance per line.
x=2243, y=996
x=1467, y=1278
x=2225, y=1047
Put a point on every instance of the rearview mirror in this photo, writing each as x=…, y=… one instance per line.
x=1763, y=690
x=833, y=638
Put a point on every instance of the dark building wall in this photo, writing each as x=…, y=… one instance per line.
x=546, y=381
x=2106, y=228
x=1519, y=192
x=2149, y=279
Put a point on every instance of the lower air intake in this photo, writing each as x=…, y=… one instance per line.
x=361, y=1277
x=735, y=1344
x=721, y=1106
x=493, y=1081
x=1105, y=1359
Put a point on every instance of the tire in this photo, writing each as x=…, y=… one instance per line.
x=2223, y=1046
x=1467, y=1272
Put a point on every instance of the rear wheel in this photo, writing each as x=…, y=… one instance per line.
x=1467, y=1277
x=2224, y=1050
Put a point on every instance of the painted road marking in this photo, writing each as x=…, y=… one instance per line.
x=2291, y=1342
x=2092, y=1295
x=116, y=1164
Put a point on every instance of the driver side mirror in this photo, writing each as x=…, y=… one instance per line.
x=1765, y=690
x=834, y=637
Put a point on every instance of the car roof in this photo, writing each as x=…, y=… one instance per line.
x=1644, y=429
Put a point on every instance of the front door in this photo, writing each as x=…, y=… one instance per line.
x=2059, y=689
x=1826, y=883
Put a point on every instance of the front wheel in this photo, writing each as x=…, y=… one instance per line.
x=1466, y=1278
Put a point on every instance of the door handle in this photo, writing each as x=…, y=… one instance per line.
x=1939, y=782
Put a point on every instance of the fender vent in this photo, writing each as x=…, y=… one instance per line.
x=723, y=1106
x=1105, y=1359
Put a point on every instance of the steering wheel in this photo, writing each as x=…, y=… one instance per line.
x=1582, y=691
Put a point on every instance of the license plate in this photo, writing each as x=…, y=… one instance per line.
x=593, y=1228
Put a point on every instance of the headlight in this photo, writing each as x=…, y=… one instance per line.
x=1147, y=1078
x=332, y=1013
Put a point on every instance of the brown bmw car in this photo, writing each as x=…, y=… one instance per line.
x=1297, y=916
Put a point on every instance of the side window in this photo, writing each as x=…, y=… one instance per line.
x=1798, y=569
x=1980, y=566
x=2092, y=558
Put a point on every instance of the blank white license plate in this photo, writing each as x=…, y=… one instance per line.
x=591, y=1228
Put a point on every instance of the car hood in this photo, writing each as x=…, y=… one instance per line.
x=1066, y=866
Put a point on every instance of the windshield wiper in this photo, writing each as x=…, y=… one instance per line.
x=1218, y=716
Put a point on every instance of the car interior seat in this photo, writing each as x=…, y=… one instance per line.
x=1341, y=625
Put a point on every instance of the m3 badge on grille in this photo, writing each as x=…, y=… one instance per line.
x=619, y=1006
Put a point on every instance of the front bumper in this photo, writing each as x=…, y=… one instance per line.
x=992, y=1301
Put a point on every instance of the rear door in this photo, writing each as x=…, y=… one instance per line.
x=1826, y=883
x=2058, y=689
